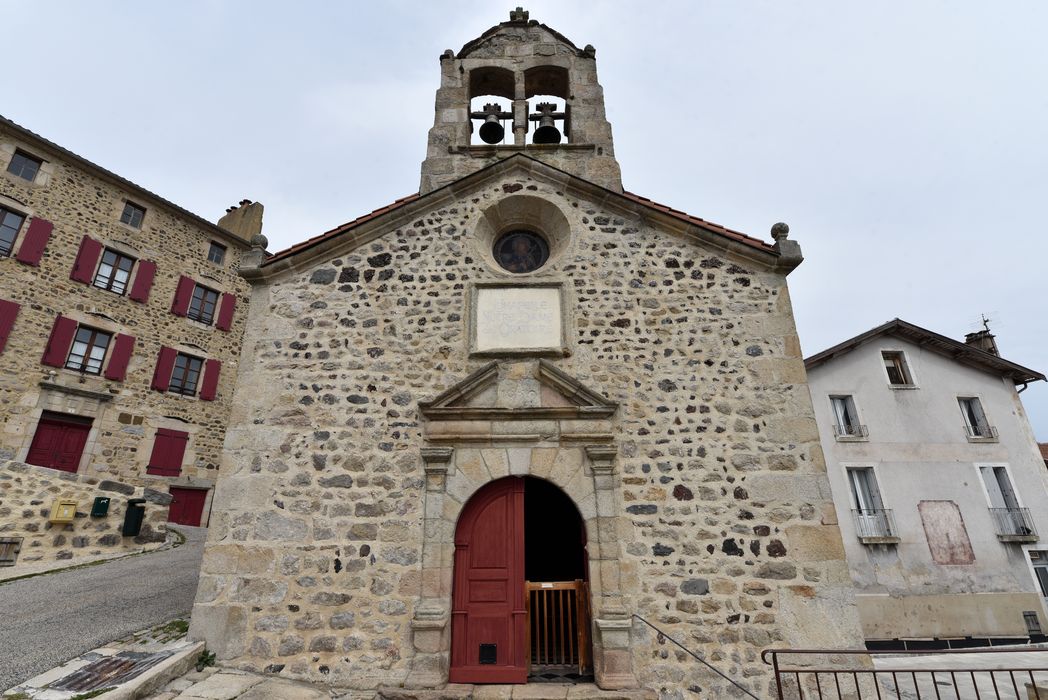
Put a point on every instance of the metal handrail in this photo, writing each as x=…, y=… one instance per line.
x=842, y=678
x=1013, y=521
x=852, y=430
x=663, y=636
x=874, y=522
x=984, y=431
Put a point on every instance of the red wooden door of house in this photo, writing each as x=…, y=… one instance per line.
x=187, y=505
x=488, y=615
x=59, y=441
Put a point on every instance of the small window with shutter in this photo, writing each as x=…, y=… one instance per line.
x=186, y=374
x=10, y=224
x=88, y=351
x=169, y=449
x=114, y=271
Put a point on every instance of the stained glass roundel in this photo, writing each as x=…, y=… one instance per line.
x=521, y=251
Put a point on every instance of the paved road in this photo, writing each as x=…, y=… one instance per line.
x=50, y=619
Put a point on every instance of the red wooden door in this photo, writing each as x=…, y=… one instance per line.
x=59, y=442
x=488, y=617
x=187, y=505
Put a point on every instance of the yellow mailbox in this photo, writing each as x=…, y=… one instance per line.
x=62, y=512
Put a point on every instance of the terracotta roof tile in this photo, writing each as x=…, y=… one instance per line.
x=643, y=201
x=717, y=228
x=338, y=230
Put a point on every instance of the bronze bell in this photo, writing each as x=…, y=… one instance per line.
x=491, y=131
x=547, y=133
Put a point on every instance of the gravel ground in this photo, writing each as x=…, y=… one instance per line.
x=52, y=618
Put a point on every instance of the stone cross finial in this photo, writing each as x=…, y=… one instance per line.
x=519, y=15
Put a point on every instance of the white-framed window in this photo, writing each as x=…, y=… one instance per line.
x=846, y=424
x=1010, y=518
x=897, y=368
x=975, y=423
x=873, y=522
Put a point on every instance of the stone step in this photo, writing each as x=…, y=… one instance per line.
x=530, y=691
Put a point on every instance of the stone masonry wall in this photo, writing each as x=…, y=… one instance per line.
x=126, y=413
x=27, y=494
x=729, y=537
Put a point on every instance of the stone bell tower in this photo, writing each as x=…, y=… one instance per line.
x=519, y=61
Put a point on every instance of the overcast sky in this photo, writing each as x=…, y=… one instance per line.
x=905, y=143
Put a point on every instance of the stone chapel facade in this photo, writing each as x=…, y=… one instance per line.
x=519, y=381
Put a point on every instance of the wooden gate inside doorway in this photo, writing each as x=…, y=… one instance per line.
x=558, y=624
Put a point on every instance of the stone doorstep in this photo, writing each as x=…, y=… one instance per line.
x=529, y=691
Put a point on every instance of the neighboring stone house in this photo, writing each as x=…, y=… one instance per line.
x=939, y=486
x=121, y=318
x=478, y=430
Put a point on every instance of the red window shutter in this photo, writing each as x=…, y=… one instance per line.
x=209, y=387
x=225, y=311
x=183, y=295
x=143, y=281
x=169, y=449
x=57, y=349
x=165, y=364
x=36, y=238
x=123, y=346
x=86, y=260
x=8, y=313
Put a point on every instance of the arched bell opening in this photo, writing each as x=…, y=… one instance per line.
x=491, y=92
x=548, y=94
x=520, y=593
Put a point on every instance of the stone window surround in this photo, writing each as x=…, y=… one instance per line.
x=593, y=486
x=567, y=307
x=43, y=176
x=75, y=401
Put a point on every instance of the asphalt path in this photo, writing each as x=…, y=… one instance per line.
x=50, y=619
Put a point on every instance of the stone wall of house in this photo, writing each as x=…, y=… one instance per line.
x=27, y=494
x=126, y=414
x=314, y=566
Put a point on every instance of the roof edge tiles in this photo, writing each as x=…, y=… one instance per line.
x=630, y=197
x=120, y=181
x=947, y=347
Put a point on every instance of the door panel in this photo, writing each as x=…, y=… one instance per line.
x=187, y=506
x=59, y=444
x=488, y=614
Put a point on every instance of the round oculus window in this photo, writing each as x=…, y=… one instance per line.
x=521, y=251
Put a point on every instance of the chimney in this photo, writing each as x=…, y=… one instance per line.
x=243, y=220
x=983, y=340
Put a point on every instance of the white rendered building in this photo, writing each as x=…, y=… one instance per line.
x=938, y=485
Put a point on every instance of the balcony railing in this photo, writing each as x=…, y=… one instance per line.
x=875, y=525
x=1014, y=524
x=980, y=432
x=852, y=431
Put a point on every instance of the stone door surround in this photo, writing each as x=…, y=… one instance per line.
x=575, y=453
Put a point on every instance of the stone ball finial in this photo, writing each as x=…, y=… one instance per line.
x=448, y=54
x=780, y=231
x=259, y=241
x=589, y=50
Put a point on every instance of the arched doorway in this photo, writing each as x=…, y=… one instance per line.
x=520, y=599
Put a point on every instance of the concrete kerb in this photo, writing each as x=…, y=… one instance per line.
x=158, y=676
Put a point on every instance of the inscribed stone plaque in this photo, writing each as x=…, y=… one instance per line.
x=517, y=318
